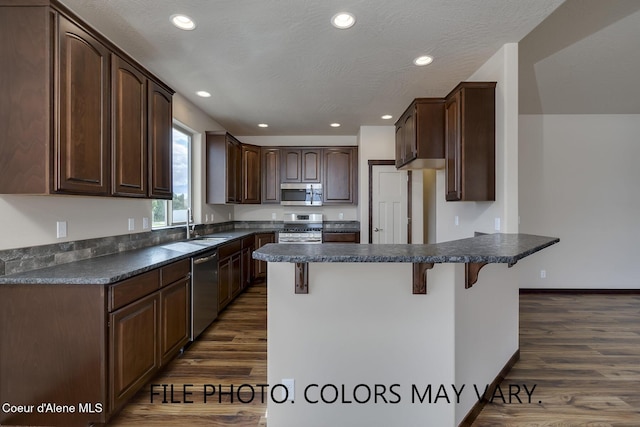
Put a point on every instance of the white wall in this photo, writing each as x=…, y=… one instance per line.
x=492, y=304
x=480, y=216
x=579, y=180
x=360, y=324
x=31, y=220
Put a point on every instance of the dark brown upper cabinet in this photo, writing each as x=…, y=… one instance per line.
x=470, y=142
x=420, y=135
x=251, y=165
x=76, y=116
x=270, y=175
x=129, y=129
x=160, y=142
x=82, y=146
x=224, y=168
x=340, y=184
x=301, y=164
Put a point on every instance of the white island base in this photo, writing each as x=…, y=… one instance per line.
x=361, y=331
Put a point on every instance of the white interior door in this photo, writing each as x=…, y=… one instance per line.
x=389, y=205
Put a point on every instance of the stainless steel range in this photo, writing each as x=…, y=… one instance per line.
x=301, y=228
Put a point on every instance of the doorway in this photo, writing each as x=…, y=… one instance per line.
x=389, y=203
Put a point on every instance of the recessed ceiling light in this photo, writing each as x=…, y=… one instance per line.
x=335, y=125
x=386, y=117
x=263, y=125
x=183, y=22
x=343, y=20
x=423, y=60
x=203, y=93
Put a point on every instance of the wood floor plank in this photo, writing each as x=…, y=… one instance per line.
x=583, y=354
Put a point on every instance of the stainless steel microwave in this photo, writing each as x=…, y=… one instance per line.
x=297, y=194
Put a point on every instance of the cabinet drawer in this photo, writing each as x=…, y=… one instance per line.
x=350, y=237
x=174, y=272
x=248, y=242
x=129, y=290
x=230, y=249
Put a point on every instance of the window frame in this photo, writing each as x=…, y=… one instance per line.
x=168, y=204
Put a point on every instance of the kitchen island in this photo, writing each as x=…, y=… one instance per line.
x=377, y=335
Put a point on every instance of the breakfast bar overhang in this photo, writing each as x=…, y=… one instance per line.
x=377, y=335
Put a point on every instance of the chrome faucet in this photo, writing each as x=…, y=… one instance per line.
x=191, y=228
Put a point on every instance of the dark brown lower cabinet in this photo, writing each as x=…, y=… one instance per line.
x=235, y=269
x=175, y=318
x=260, y=267
x=229, y=273
x=89, y=344
x=133, y=356
x=248, y=245
x=341, y=237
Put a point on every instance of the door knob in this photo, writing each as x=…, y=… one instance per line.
x=377, y=229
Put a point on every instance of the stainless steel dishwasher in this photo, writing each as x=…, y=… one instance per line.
x=204, y=291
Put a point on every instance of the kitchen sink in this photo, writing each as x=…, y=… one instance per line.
x=209, y=241
x=184, y=247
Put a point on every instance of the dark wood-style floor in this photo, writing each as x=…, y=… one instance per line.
x=581, y=352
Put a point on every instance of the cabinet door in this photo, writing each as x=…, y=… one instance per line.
x=260, y=267
x=81, y=164
x=311, y=165
x=236, y=274
x=270, y=175
x=250, y=174
x=248, y=245
x=129, y=136
x=291, y=165
x=234, y=170
x=134, y=347
x=160, y=146
x=399, y=143
x=340, y=175
x=453, y=144
x=225, y=277
x=175, y=318
x=410, y=143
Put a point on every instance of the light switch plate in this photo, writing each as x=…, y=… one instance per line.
x=132, y=224
x=497, y=224
x=145, y=223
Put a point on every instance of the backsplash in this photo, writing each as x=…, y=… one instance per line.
x=31, y=258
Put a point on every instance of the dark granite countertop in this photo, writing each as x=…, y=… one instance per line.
x=109, y=269
x=490, y=248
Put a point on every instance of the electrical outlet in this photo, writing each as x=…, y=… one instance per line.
x=132, y=224
x=543, y=274
x=229, y=216
x=61, y=229
x=291, y=389
x=456, y=220
x=145, y=223
x=497, y=224
x=206, y=217
x=340, y=215
x=273, y=215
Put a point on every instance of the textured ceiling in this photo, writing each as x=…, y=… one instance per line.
x=280, y=62
x=583, y=59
